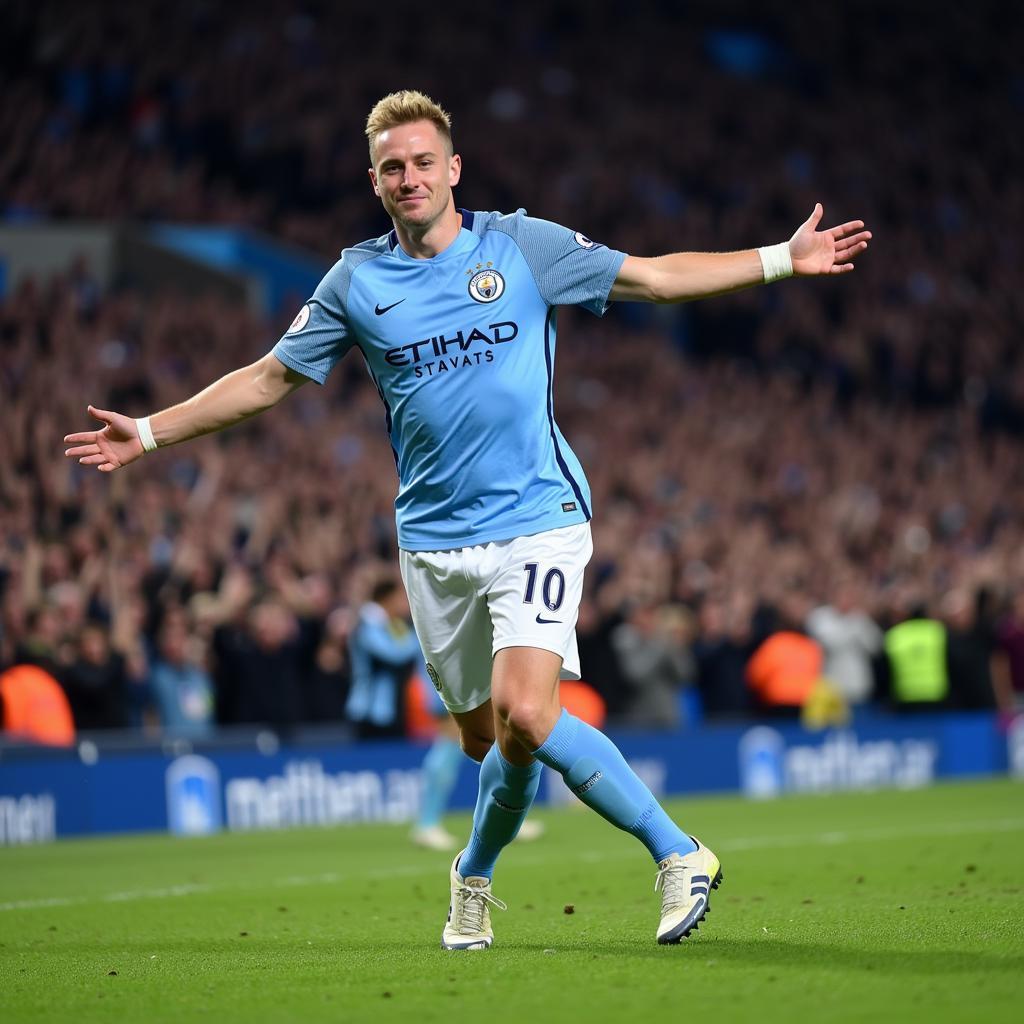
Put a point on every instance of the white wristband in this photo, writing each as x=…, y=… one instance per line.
x=776, y=262
x=146, y=434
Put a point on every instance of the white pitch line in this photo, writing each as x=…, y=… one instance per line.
x=154, y=894
x=53, y=901
x=874, y=835
x=537, y=858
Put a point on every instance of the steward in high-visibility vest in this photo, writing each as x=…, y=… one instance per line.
x=917, y=661
x=35, y=707
x=785, y=669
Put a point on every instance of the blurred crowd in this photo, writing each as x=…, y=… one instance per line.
x=823, y=462
x=219, y=582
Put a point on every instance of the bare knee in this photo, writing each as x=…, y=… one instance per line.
x=529, y=722
x=475, y=745
x=524, y=691
x=476, y=730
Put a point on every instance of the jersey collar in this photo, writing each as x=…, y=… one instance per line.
x=464, y=241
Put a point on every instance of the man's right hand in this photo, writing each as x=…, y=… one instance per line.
x=110, y=448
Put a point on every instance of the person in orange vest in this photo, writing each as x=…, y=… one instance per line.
x=34, y=707
x=583, y=701
x=786, y=668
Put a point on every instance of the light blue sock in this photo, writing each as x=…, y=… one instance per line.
x=506, y=793
x=440, y=773
x=598, y=774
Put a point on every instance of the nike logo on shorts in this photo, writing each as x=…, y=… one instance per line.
x=545, y=622
x=381, y=311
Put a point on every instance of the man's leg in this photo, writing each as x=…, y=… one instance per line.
x=525, y=696
x=440, y=773
x=524, y=691
x=509, y=778
x=502, y=802
x=454, y=627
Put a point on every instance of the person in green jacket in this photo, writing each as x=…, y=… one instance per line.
x=916, y=653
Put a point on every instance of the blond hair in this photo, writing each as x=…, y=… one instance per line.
x=403, y=108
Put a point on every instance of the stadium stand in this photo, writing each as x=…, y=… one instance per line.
x=767, y=448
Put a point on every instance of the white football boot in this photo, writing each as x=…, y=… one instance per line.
x=469, y=918
x=529, y=831
x=686, y=883
x=434, y=837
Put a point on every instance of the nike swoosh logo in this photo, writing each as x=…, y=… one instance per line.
x=380, y=311
x=545, y=622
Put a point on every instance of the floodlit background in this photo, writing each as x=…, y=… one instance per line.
x=809, y=516
x=810, y=465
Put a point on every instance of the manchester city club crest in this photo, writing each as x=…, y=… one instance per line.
x=486, y=285
x=434, y=677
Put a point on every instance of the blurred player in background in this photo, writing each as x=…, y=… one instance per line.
x=454, y=314
x=440, y=774
x=385, y=656
x=384, y=652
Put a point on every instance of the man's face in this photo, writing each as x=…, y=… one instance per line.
x=93, y=645
x=396, y=604
x=413, y=174
x=173, y=642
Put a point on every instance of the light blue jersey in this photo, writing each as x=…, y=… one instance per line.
x=383, y=655
x=462, y=350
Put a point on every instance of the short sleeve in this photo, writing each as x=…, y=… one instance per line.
x=569, y=268
x=319, y=335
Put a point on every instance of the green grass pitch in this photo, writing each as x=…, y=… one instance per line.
x=860, y=907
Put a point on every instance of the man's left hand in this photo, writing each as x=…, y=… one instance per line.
x=826, y=252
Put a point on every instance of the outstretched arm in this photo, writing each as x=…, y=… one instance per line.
x=235, y=397
x=695, y=275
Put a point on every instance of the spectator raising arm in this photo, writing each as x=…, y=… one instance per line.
x=682, y=276
x=235, y=397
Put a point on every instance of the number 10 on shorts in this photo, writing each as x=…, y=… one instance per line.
x=552, y=588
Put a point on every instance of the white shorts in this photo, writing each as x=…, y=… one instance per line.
x=469, y=603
